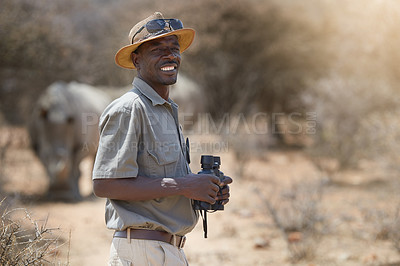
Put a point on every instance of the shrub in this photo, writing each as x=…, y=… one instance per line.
x=384, y=224
x=22, y=243
x=297, y=214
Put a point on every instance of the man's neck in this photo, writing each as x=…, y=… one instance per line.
x=162, y=90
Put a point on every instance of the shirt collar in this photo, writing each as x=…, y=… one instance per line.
x=150, y=93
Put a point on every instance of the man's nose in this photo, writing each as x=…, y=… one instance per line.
x=169, y=52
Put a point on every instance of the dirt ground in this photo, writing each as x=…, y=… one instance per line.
x=243, y=234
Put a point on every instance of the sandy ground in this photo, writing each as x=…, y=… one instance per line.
x=243, y=234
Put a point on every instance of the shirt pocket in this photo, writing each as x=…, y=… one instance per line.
x=163, y=160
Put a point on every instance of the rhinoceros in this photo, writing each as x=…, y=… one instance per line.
x=63, y=131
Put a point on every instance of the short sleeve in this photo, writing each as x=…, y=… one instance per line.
x=118, y=145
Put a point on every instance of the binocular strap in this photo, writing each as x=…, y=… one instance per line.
x=203, y=214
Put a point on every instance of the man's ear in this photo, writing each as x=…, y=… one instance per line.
x=135, y=59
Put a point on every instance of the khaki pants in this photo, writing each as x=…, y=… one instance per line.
x=145, y=252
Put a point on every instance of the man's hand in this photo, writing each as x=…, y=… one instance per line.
x=200, y=187
x=224, y=194
x=205, y=188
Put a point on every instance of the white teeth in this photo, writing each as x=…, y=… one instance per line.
x=167, y=68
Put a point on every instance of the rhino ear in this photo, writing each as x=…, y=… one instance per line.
x=43, y=113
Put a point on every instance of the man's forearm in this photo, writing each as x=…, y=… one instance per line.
x=193, y=186
x=139, y=188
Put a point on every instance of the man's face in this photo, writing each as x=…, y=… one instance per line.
x=158, y=61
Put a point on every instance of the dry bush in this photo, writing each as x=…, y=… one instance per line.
x=356, y=122
x=342, y=107
x=51, y=40
x=73, y=40
x=298, y=215
x=24, y=241
x=380, y=222
x=385, y=224
x=355, y=101
x=380, y=133
x=250, y=56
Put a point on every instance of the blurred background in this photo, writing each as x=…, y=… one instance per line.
x=300, y=95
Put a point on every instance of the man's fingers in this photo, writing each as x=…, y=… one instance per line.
x=225, y=181
x=215, y=188
x=225, y=201
x=225, y=189
x=215, y=180
x=223, y=196
x=211, y=200
x=212, y=178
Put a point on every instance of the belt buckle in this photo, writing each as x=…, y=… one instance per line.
x=182, y=242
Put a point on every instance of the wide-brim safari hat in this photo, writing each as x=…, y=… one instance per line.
x=139, y=35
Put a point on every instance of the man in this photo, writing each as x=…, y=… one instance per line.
x=141, y=165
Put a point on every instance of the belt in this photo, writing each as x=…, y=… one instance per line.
x=175, y=240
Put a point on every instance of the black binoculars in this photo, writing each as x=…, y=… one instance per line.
x=210, y=165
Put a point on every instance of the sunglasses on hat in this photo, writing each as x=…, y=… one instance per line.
x=158, y=25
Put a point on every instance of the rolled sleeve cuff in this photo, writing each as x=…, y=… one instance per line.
x=108, y=174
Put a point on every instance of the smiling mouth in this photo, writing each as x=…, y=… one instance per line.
x=168, y=68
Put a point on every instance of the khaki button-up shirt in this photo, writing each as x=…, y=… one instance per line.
x=140, y=136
